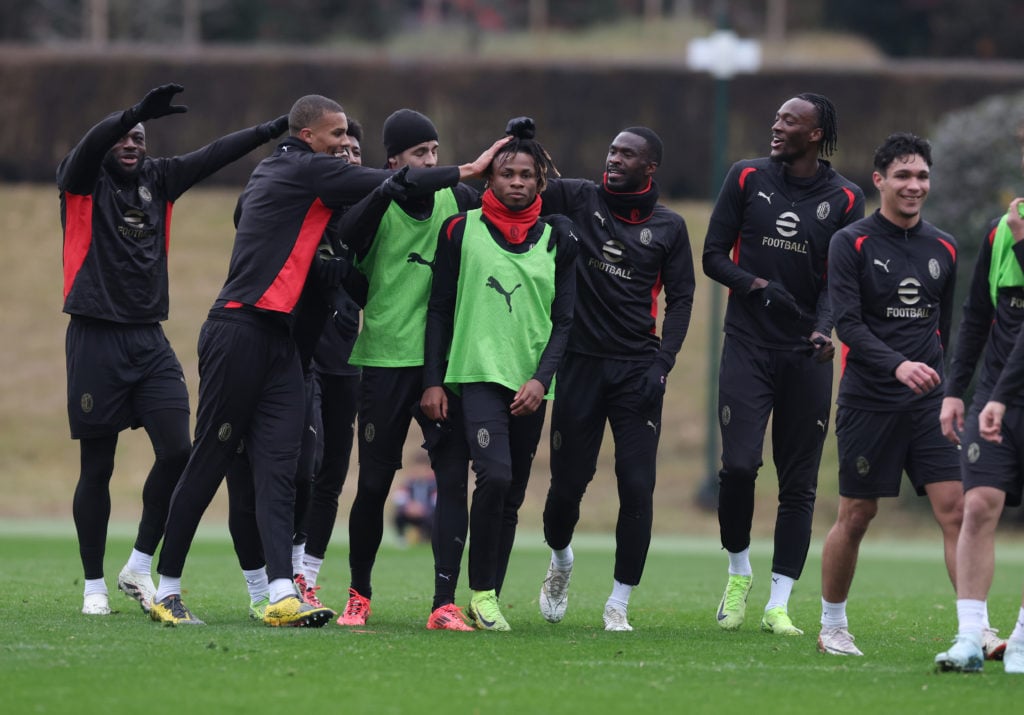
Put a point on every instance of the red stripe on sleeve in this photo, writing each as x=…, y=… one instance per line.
x=283, y=293
x=949, y=247
x=850, y=200
x=655, y=292
x=743, y=175
x=452, y=224
x=77, y=236
x=859, y=242
x=992, y=235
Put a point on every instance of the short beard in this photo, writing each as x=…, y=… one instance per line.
x=113, y=166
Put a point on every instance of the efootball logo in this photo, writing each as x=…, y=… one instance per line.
x=787, y=224
x=612, y=251
x=909, y=291
x=134, y=217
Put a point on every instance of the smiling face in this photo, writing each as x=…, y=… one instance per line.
x=355, y=151
x=327, y=135
x=627, y=167
x=126, y=156
x=903, y=189
x=795, y=132
x=514, y=180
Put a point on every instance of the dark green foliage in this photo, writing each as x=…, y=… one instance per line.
x=977, y=170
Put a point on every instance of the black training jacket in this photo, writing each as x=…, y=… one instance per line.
x=892, y=297
x=766, y=224
x=116, y=237
x=621, y=269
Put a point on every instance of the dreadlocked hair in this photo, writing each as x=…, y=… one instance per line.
x=827, y=120
x=527, y=145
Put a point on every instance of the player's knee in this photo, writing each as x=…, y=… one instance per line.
x=982, y=508
x=373, y=488
x=492, y=474
x=174, y=456
x=856, y=515
x=635, y=513
x=738, y=473
x=799, y=497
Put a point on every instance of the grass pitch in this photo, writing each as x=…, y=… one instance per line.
x=55, y=660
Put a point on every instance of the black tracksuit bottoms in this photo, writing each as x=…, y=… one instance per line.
x=502, y=448
x=251, y=389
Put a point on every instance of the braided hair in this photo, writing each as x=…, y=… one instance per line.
x=827, y=120
x=522, y=131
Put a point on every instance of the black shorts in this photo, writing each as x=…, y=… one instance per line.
x=875, y=448
x=987, y=464
x=117, y=373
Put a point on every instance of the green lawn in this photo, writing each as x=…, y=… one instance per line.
x=54, y=660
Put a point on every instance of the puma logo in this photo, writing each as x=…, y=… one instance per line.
x=650, y=423
x=417, y=258
x=884, y=266
x=492, y=282
x=822, y=425
x=766, y=197
x=599, y=218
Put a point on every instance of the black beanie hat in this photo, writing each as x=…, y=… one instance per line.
x=406, y=128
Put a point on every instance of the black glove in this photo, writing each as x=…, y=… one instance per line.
x=775, y=298
x=397, y=187
x=346, y=315
x=560, y=225
x=156, y=104
x=277, y=127
x=521, y=127
x=652, y=385
x=330, y=270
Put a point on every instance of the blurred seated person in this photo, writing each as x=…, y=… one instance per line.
x=415, y=499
